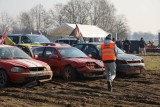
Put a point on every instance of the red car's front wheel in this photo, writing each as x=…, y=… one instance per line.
x=69, y=74
x=3, y=79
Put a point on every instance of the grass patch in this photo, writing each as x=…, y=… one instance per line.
x=152, y=62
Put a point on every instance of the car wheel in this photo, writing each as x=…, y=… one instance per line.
x=69, y=73
x=3, y=79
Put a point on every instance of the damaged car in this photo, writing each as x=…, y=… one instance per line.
x=126, y=63
x=69, y=62
x=18, y=67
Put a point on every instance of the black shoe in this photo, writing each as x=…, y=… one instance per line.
x=109, y=86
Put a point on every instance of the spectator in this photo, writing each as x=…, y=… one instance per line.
x=150, y=44
x=142, y=45
x=119, y=43
x=126, y=45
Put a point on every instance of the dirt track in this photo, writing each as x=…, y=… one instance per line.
x=142, y=90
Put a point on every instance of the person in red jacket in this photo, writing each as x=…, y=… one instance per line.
x=109, y=54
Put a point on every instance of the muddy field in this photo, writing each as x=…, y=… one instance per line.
x=142, y=90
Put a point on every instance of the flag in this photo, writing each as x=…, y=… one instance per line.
x=2, y=39
x=8, y=41
x=4, y=35
x=77, y=32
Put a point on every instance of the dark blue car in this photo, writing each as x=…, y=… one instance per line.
x=126, y=63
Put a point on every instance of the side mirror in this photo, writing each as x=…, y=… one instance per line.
x=55, y=57
x=35, y=56
x=90, y=55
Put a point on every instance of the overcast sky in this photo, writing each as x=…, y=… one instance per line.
x=142, y=15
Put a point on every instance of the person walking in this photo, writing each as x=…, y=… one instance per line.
x=142, y=48
x=126, y=45
x=109, y=54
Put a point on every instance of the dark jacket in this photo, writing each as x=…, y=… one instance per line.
x=142, y=44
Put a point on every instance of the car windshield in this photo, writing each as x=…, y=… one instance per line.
x=119, y=51
x=72, y=53
x=38, y=39
x=12, y=53
x=98, y=46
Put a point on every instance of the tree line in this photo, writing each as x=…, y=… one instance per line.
x=101, y=13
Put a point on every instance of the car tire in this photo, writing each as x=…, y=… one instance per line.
x=69, y=73
x=3, y=79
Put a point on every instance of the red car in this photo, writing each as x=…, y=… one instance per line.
x=69, y=62
x=18, y=67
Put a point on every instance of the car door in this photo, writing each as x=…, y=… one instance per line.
x=90, y=49
x=53, y=62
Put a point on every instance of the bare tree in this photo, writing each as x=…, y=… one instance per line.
x=47, y=22
x=56, y=14
x=102, y=14
x=37, y=14
x=95, y=12
x=26, y=22
x=75, y=11
x=5, y=21
x=121, y=27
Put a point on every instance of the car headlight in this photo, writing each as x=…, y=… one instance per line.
x=100, y=63
x=48, y=68
x=18, y=69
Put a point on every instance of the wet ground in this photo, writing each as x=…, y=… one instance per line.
x=141, y=90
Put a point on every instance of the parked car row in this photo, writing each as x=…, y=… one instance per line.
x=66, y=61
x=126, y=63
x=40, y=61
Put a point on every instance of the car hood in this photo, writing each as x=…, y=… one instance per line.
x=128, y=57
x=84, y=60
x=27, y=63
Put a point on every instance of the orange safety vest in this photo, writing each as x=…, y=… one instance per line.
x=108, y=52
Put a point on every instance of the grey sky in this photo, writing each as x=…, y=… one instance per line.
x=142, y=15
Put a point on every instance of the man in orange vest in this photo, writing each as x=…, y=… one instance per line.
x=109, y=54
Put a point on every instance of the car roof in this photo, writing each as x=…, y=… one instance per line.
x=5, y=46
x=69, y=38
x=22, y=34
x=58, y=46
x=92, y=43
x=29, y=44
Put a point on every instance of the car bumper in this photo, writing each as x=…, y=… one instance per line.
x=88, y=72
x=131, y=68
x=41, y=76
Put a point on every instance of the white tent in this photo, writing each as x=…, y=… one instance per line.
x=88, y=31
